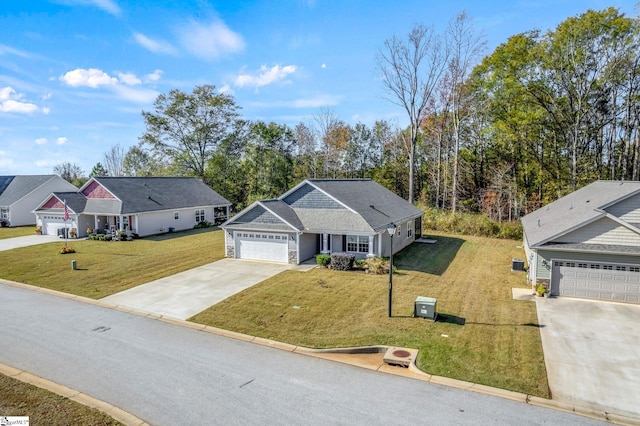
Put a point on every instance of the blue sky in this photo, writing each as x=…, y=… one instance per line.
x=75, y=74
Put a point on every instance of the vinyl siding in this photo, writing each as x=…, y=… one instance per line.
x=627, y=210
x=603, y=231
x=545, y=256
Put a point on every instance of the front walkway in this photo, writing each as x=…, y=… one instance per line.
x=185, y=294
x=592, y=352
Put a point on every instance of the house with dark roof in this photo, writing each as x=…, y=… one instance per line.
x=323, y=216
x=20, y=194
x=140, y=205
x=587, y=244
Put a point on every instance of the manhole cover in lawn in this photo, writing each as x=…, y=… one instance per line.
x=401, y=353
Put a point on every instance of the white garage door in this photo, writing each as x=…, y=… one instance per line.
x=262, y=246
x=601, y=281
x=51, y=224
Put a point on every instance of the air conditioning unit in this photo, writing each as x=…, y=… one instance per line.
x=425, y=307
x=517, y=265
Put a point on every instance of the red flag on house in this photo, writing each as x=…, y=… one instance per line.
x=66, y=211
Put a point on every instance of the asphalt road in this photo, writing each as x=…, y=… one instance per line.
x=167, y=374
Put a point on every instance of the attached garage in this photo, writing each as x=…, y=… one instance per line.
x=595, y=280
x=51, y=224
x=271, y=247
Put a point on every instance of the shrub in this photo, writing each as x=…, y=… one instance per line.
x=323, y=260
x=378, y=265
x=361, y=263
x=342, y=261
x=203, y=224
x=469, y=224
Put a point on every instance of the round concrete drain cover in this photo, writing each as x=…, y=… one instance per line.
x=401, y=353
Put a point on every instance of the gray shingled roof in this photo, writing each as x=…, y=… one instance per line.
x=75, y=201
x=284, y=211
x=144, y=194
x=13, y=188
x=574, y=210
x=376, y=204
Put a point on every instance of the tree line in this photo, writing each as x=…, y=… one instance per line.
x=501, y=134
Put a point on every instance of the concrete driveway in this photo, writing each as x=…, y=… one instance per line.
x=185, y=294
x=592, y=353
x=29, y=240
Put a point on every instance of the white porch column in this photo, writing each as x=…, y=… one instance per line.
x=121, y=223
x=325, y=244
x=135, y=221
x=371, y=253
x=96, y=225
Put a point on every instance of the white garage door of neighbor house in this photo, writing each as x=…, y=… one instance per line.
x=601, y=281
x=262, y=246
x=51, y=224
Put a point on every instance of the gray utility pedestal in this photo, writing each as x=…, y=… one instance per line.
x=425, y=307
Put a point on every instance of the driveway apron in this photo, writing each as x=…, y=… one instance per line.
x=592, y=352
x=185, y=294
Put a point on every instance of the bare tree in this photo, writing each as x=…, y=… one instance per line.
x=114, y=161
x=327, y=122
x=410, y=73
x=466, y=46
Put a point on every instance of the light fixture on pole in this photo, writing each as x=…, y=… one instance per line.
x=391, y=229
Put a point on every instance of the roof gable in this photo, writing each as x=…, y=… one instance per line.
x=307, y=196
x=605, y=230
x=575, y=210
x=17, y=187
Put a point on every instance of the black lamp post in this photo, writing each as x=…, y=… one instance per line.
x=391, y=229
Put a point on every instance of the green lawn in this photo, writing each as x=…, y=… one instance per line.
x=107, y=267
x=482, y=336
x=18, y=231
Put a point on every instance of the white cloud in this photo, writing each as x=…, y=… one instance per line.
x=61, y=140
x=137, y=95
x=315, y=102
x=210, y=41
x=10, y=102
x=265, y=76
x=46, y=110
x=155, y=46
x=46, y=96
x=92, y=77
x=226, y=89
x=108, y=6
x=129, y=79
x=323, y=66
x=41, y=141
x=154, y=76
x=8, y=50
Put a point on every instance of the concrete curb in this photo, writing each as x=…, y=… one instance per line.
x=342, y=355
x=74, y=395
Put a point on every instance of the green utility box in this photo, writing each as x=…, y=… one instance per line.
x=425, y=307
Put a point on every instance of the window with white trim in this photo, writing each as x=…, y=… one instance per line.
x=410, y=229
x=4, y=213
x=358, y=243
x=200, y=215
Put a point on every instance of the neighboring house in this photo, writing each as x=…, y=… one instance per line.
x=587, y=244
x=323, y=216
x=19, y=195
x=140, y=205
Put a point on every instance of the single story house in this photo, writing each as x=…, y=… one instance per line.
x=587, y=244
x=323, y=216
x=20, y=194
x=140, y=205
